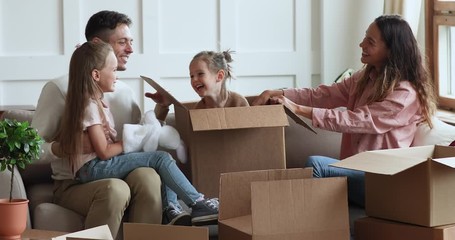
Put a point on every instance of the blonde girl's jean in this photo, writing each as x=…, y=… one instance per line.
x=120, y=166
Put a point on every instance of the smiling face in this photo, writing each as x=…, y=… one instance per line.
x=107, y=76
x=121, y=41
x=205, y=82
x=374, y=49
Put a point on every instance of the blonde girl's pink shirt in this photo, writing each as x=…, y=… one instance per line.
x=92, y=117
x=390, y=123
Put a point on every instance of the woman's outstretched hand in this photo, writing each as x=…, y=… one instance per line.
x=266, y=97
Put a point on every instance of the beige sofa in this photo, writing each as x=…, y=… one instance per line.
x=35, y=183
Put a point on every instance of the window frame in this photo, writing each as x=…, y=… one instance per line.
x=438, y=13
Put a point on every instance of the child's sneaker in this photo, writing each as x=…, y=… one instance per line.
x=176, y=216
x=205, y=212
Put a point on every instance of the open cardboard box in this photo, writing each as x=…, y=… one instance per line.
x=229, y=139
x=282, y=204
x=369, y=228
x=412, y=185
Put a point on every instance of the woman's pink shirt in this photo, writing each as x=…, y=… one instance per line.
x=390, y=123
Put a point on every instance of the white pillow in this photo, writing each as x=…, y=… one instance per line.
x=441, y=134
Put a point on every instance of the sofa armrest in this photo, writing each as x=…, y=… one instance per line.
x=18, y=114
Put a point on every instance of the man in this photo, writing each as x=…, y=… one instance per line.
x=103, y=201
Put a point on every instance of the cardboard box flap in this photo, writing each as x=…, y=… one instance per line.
x=99, y=233
x=235, y=190
x=298, y=119
x=228, y=118
x=143, y=231
x=317, y=206
x=387, y=162
x=448, y=161
x=163, y=92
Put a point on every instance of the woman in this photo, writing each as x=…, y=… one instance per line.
x=379, y=107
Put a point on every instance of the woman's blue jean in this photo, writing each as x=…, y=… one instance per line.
x=356, y=179
x=174, y=181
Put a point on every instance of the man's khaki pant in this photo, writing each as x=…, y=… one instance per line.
x=105, y=201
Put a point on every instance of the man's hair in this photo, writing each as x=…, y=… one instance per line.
x=101, y=24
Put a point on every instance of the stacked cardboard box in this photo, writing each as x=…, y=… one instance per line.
x=229, y=139
x=282, y=204
x=414, y=186
x=370, y=228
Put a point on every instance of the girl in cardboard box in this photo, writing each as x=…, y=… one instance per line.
x=92, y=72
x=209, y=71
x=381, y=105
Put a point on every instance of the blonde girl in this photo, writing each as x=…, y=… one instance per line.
x=92, y=72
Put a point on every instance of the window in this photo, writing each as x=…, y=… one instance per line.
x=440, y=44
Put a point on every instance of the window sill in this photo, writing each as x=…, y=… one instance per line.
x=446, y=116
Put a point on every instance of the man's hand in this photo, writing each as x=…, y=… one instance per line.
x=159, y=99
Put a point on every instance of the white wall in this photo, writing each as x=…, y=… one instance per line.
x=343, y=25
x=278, y=43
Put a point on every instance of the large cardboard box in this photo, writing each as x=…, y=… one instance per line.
x=229, y=139
x=282, y=204
x=376, y=229
x=412, y=185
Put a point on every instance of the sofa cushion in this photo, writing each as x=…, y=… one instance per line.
x=37, y=173
x=39, y=193
x=50, y=216
x=441, y=134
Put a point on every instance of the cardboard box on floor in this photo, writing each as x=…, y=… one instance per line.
x=282, y=204
x=95, y=233
x=412, y=185
x=142, y=231
x=377, y=229
x=229, y=139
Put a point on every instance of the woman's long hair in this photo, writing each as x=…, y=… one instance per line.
x=405, y=62
x=81, y=88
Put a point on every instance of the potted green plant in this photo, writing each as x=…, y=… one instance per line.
x=20, y=144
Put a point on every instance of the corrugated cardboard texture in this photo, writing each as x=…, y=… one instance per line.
x=238, y=117
x=141, y=231
x=375, y=229
x=235, y=188
x=409, y=185
x=387, y=162
x=293, y=209
x=403, y=197
x=235, y=228
x=234, y=151
x=300, y=208
x=218, y=151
